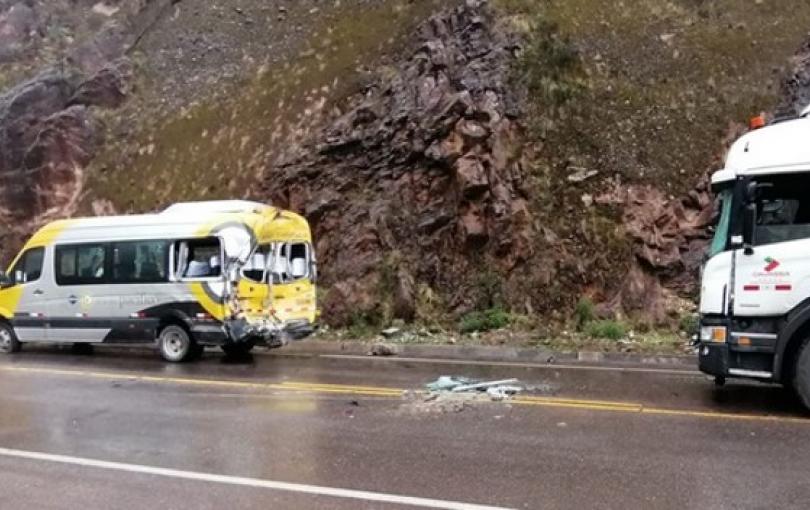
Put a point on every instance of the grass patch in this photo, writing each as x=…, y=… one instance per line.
x=607, y=329
x=584, y=313
x=487, y=320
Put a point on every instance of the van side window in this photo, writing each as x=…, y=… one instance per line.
x=81, y=264
x=29, y=266
x=140, y=262
x=198, y=258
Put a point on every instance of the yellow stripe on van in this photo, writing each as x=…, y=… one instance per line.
x=10, y=298
x=214, y=309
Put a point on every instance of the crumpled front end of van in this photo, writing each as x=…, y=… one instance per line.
x=271, y=315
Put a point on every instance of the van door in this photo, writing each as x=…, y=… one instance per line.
x=29, y=288
x=77, y=307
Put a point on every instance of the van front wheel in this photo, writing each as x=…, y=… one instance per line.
x=8, y=340
x=176, y=344
x=801, y=374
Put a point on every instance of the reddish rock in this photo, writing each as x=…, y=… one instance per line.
x=108, y=88
x=472, y=176
x=425, y=163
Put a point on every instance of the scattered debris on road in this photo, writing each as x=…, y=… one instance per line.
x=454, y=394
x=497, y=389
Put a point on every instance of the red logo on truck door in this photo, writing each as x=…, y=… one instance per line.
x=772, y=264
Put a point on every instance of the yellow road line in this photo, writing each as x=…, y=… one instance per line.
x=345, y=389
x=560, y=401
x=284, y=386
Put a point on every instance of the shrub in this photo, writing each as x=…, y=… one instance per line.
x=584, y=312
x=494, y=318
x=610, y=330
x=689, y=323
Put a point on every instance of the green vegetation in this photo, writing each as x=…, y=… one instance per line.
x=362, y=327
x=487, y=320
x=607, y=329
x=584, y=313
x=689, y=323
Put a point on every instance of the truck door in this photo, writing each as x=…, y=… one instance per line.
x=775, y=276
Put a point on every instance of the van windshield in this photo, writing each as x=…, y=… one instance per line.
x=724, y=220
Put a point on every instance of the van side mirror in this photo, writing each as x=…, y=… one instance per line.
x=749, y=224
x=5, y=281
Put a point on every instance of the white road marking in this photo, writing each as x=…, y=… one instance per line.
x=317, y=490
x=550, y=366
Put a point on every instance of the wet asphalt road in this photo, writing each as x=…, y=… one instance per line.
x=587, y=438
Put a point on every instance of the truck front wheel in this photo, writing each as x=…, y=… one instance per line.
x=801, y=374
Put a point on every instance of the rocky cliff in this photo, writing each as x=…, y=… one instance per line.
x=419, y=178
x=451, y=156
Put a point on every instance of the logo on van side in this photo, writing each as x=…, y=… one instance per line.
x=772, y=264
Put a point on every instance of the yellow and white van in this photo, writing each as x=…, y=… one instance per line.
x=227, y=273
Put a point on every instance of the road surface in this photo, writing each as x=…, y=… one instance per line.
x=124, y=430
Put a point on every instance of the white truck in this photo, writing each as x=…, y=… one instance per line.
x=755, y=290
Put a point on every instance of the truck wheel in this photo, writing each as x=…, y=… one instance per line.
x=176, y=344
x=8, y=340
x=801, y=374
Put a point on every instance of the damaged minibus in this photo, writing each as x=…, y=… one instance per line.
x=232, y=274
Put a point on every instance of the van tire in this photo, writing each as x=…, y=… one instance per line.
x=8, y=339
x=801, y=374
x=176, y=344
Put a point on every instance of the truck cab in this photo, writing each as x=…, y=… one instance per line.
x=755, y=288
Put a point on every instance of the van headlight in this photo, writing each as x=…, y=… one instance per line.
x=713, y=334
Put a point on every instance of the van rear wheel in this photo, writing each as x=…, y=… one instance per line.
x=8, y=340
x=801, y=374
x=176, y=344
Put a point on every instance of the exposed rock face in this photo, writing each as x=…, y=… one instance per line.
x=661, y=228
x=796, y=87
x=48, y=132
x=426, y=164
x=19, y=25
x=46, y=139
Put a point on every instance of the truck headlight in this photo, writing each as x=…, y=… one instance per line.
x=713, y=334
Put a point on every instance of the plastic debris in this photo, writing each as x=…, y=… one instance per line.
x=448, y=382
x=503, y=392
x=499, y=389
x=484, y=385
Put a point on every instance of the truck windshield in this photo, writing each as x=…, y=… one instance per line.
x=721, y=229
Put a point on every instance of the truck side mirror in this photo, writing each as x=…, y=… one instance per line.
x=749, y=224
